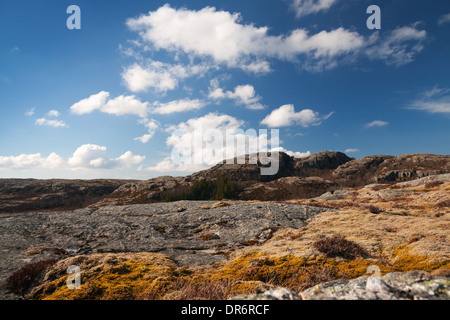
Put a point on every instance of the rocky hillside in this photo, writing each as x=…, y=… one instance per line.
x=297, y=178
x=18, y=195
x=316, y=248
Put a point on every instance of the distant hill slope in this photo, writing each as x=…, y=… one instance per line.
x=296, y=178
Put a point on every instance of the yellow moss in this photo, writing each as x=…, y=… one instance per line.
x=404, y=261
x=110, y=279
x=159, y=279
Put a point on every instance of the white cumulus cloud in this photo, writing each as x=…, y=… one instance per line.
x=88, y=156
x=242, y=95
x=220, y=35
x=88, y=105
x=31, y=161
x=120, y=105
x=159, y=76
x=151, y=125
x=182, y=105
x=202, y=142
x=123, y=105
x=94, y=156
x=286, y=116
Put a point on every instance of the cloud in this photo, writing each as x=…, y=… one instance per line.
x=177, y=106
x=118, y=106
x=306, y=7
x=53, y=113
x=218, y=38
x=436, y=100
x=50, y=123
x=181, y=139
x=30, y=161
x=130, y=105
x=296, y=155
x=87, y=156
x=444, y=19
x=432, y=106
x=200, y=143
x=30, y=112
x=159, y=76
x=91, y=156
x=219, y=35
x=242, y=95
x=145, y=138
x=123, y=105
x=151, y=125
x=88, y=105
x=377, y=123
x=351, y=150
x=286, y=116
x=398, y=47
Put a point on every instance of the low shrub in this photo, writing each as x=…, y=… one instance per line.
x=374, y=209
x=338, y=246
x=22, y=279
x=433, y=184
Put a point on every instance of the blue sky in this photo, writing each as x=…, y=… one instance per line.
x=109, y=100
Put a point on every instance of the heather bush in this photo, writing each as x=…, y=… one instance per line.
x=338, y=246
x=22, y=279
x=374, y=209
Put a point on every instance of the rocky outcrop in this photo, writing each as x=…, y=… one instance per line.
x=148, y=191
x=430, y=179
x=287, y=188
x=360, y=168
x=384, y=168
x=248, y=168
x=18, y=195
x=321, y=160
x=416, y=285
x=189, y=232
x=271, y=294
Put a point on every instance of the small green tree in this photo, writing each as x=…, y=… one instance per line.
x=206, y=190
